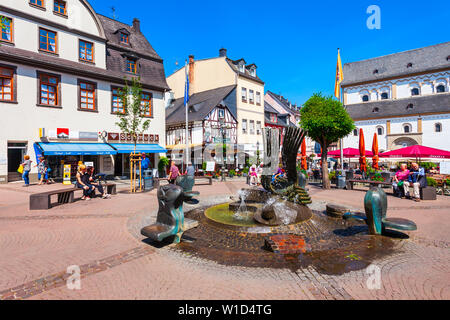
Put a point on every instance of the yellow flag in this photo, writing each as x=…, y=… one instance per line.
x=339, y=77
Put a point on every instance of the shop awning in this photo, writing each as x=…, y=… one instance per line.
x=75, y=149
x=129, y=148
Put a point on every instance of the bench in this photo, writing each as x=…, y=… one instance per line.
x=42, y=201
x=349, y=183
x=157, y=181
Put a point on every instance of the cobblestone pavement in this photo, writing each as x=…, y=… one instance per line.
x=102, y=237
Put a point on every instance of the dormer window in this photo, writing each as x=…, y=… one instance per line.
x=375, y=71
x=131, y=66
x=124, y=38
x=241, y=67
x=60, y=8
x=273, y=118
x=376, y=110
x=410, y=106
x=38, y=3
x=384, y=96
x=365, y=98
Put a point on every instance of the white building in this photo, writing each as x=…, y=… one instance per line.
x=404, y=97
x=60, y=67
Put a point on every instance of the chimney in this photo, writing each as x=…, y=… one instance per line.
x=223, y=52
x=137, y=25
x=191, y=73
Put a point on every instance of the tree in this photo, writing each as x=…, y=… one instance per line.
x=132, y=120
x=326, y=121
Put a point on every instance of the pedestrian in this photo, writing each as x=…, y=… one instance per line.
x=416, y=179
x=253, y=176
x=190, y=170
x=83, y=183
x=173, y=173
x=26, y=170
x=42, y=171
x=259, y=172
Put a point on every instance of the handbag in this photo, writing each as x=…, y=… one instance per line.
x=20, y=169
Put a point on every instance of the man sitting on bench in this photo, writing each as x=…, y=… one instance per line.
x=417, y=180
x=97, y=184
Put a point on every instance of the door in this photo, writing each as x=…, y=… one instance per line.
x=16, y=152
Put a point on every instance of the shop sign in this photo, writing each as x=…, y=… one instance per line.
x=66, y=174
x=113, y=136
x=67, y=134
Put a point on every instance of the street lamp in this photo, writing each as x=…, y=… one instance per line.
x=224, y=151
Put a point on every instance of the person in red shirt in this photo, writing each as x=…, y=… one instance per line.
x=173, y=173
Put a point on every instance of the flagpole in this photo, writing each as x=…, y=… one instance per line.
x=342, y=100
x=186, y=101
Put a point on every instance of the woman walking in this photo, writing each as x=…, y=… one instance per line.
x=26, y=170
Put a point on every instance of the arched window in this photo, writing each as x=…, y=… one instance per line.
x=440, y=88
x=438, y=127
x=407, y=128
x=384, y=96
x=415, y=92
x=355, y=132
x=365, y=98
x=380, y=131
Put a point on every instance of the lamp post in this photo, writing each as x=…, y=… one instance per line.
x=224, y=151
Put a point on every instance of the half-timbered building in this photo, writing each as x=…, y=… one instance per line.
x=209, y=119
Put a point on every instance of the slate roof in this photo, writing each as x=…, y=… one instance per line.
x=395, y=65
x=269, y=108
x=284, y=103
x=235, y=66
x=200, y=105
x=389, y=108
x=56, y=64
x=150, y=64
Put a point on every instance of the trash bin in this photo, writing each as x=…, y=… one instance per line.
x=340, y=182
x=147, y=178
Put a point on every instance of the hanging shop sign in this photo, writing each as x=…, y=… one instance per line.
x=126, y=138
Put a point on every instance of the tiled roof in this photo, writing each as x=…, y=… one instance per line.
x=396, y=65
x=389, y=108
x=200, y=105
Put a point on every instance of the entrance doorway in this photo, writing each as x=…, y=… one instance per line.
x=16, y=152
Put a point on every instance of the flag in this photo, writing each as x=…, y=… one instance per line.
x=339, y=77
x=186, y=88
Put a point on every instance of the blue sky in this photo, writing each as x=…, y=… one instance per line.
x=293, y=43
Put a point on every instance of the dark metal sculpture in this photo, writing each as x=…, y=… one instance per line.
x=187, y=183
x=292, y=187
x=375, y=205
x=170, y=220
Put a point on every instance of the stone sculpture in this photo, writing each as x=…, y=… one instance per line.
x=375, y=205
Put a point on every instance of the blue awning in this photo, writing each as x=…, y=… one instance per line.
x=75, y=149
x=129, y=148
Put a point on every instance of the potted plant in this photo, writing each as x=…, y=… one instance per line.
x=162, y=164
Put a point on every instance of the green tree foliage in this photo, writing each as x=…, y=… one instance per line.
x=132, y=121
x=326, y=121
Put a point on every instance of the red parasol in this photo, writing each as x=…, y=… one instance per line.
x=348, y=153
x=304, y=162
x=375, y=158
x=417, y=152
x=362, y=151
